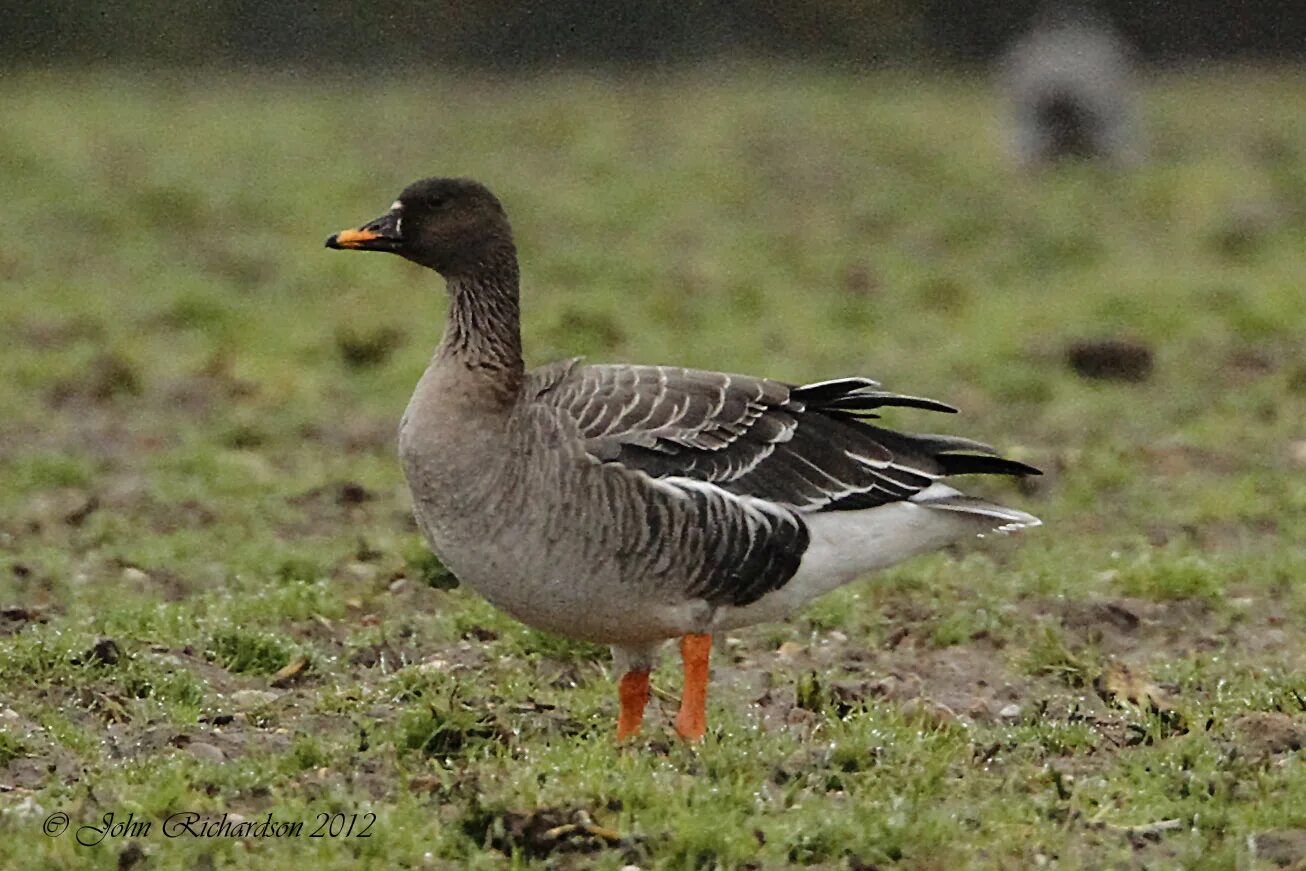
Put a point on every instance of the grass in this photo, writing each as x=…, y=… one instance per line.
x=213, y=598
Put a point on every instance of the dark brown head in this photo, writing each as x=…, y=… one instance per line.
x=452, y=225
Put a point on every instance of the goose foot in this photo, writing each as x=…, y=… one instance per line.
x=633, y=690
x=691, y=721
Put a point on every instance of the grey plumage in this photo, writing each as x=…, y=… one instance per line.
x=801, y=449
x=808, y=448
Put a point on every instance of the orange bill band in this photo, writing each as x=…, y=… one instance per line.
x=352, y=238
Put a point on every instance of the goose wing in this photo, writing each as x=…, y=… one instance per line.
x=806, y=448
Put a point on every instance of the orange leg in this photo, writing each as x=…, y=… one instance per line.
x=633, y=690
x=691, y=722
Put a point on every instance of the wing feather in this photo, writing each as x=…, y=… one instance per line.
x=808, y=448
x=737, y=461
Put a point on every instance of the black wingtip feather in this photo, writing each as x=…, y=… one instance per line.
x=977, y=464
x=860, y=396
x=864, y=402
x=823, y=392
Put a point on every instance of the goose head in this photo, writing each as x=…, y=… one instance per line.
x=452, y=225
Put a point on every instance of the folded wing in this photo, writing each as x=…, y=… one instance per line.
x=806, y=448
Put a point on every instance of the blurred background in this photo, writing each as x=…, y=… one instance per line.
x=511, y=36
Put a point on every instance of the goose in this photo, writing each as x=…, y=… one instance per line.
x=632, y=505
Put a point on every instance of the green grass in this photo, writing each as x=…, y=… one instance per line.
x=197, y=422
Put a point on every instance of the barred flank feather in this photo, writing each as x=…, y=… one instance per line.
x=731, y=442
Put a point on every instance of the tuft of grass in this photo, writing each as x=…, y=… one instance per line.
x=1048, y=652
x=11, y=747
x=426, y=567
x=1161, y=575
x=246, y=652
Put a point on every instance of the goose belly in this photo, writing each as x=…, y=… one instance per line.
x=542, y=583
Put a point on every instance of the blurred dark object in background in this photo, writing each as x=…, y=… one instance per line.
x=512, y=34
x=1067, y=82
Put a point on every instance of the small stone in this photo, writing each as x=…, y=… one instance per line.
x=789, y=650
x=1297, y=453
x=252, y=698
x=398, y=585
x=65, y=504
x=361, y=571
x=1010, y=712
x=206, y=752
x=133, y=575
x=937, y=715
x=432, y=664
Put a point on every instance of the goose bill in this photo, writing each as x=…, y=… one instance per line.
x=379, y=235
